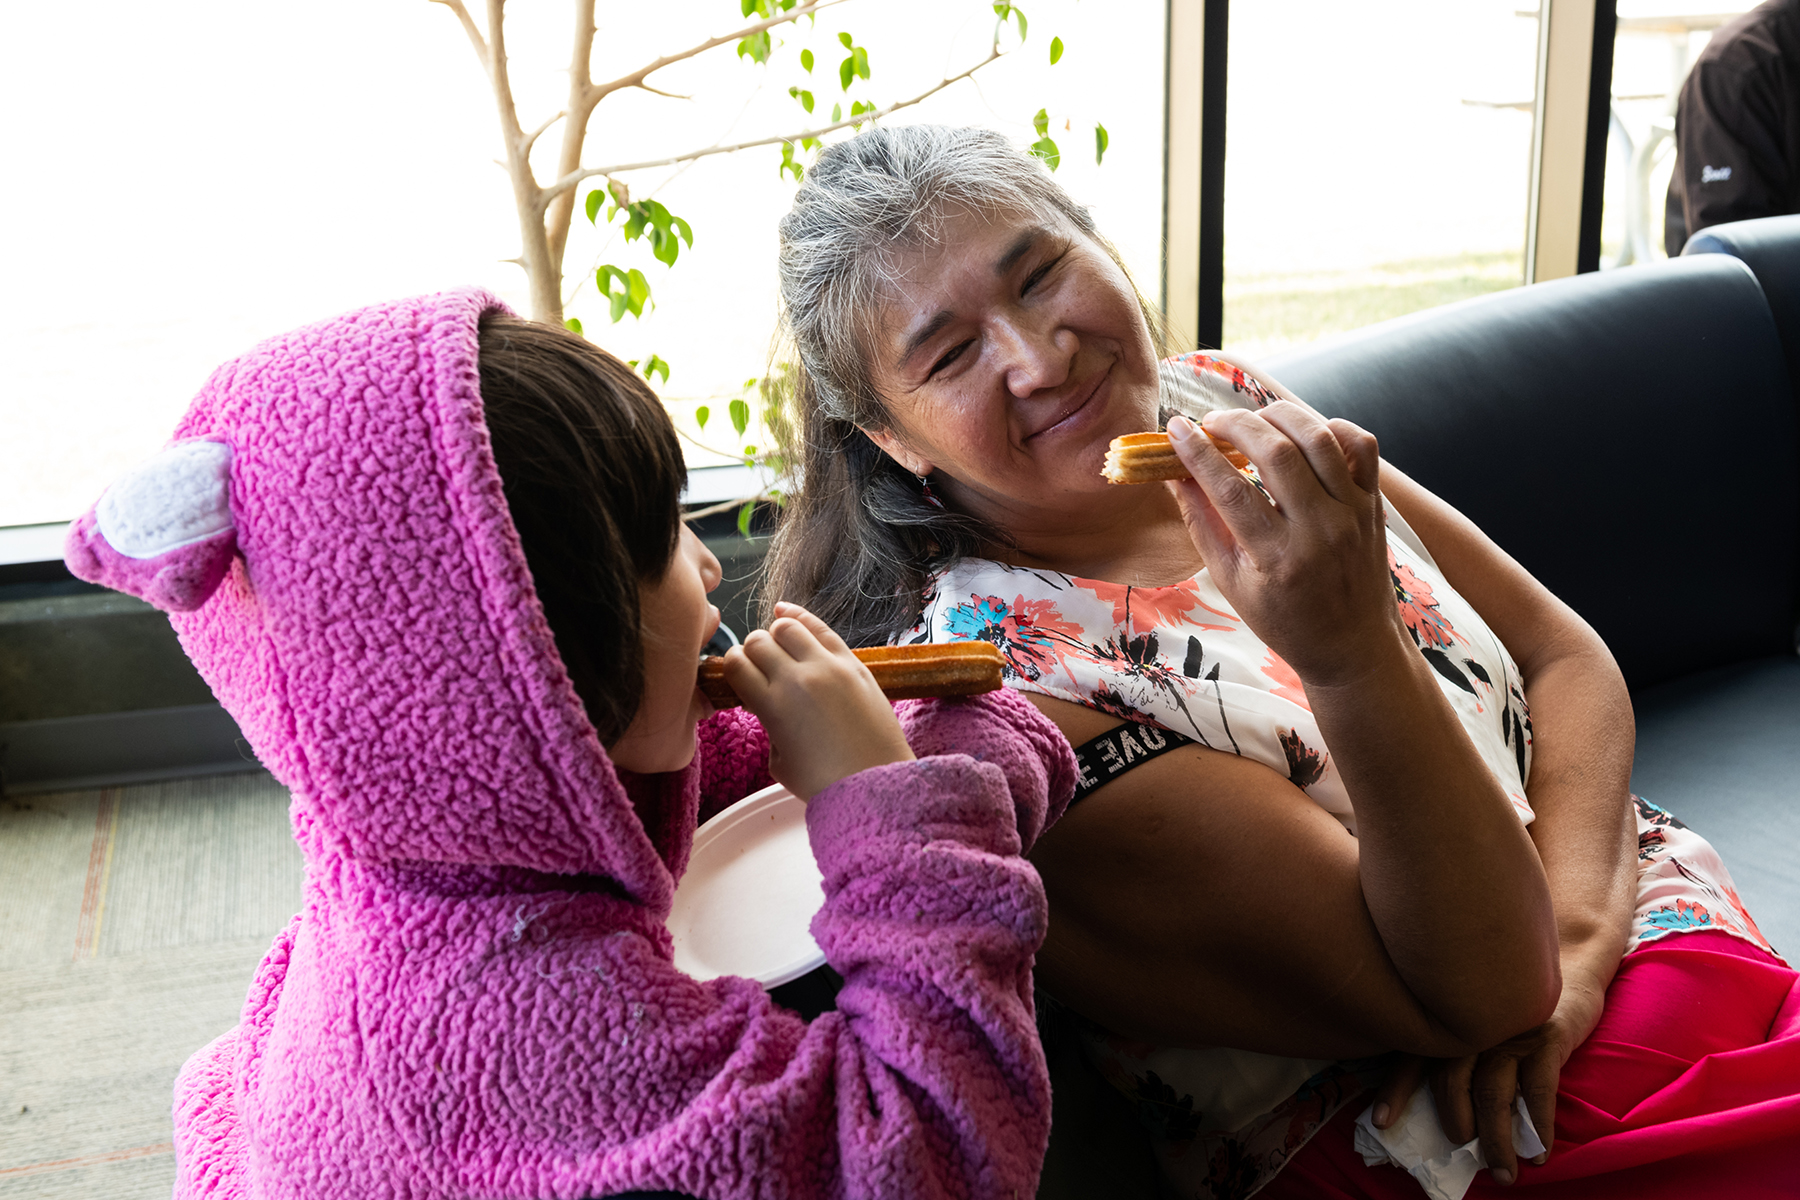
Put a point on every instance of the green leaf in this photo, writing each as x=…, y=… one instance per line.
x=1041, y=122
x=653, y=366
x=847, y=40
x=629, y=295
x=573, y=325
x=749, y=383
x=846, y=72
x=1101, y=142
x=749, y=453
x=1019, y=16
x=806, y=64
x=740, y=416
x=747, y=7
x=665, y=247
x=789, y=164
x=595, y=199
x=803, y=96
x=1056, y=49
x=684, y=229
x=860, y=56
x=1046, y=149
x=837, y=113
x=702, y=415
x=744, y=515
x=756, y=47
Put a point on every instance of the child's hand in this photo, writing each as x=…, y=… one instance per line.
x=825, y=716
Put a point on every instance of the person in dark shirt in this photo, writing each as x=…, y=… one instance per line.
x=1737, y=126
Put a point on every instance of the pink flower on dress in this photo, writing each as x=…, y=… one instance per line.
x=1287, y=684
x=1148, y=607
x=1418, y=607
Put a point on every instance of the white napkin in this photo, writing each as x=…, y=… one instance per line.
x=1416, y=1144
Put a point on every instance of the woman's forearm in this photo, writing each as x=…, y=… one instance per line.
x=1451, y=879
x=1580, y=789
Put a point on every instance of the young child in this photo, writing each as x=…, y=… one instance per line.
x=431, y=559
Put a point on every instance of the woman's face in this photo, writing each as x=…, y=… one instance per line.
x=1009, y=354
x=678, y=621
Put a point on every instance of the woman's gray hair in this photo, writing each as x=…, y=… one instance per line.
x=867, y=202
x=860, y=540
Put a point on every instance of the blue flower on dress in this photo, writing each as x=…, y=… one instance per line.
x=1030, y=633
x=1680, y=917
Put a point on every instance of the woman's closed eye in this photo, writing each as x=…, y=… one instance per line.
x=950, y=356
x=1037, y=276
x=1043, y=272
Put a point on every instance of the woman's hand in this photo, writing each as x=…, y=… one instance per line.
x=825, y=715
x=1309, y=573
x=1474, y=1095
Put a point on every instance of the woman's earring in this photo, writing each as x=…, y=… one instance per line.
x=925, y=487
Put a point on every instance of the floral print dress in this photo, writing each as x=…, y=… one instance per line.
x=1224, y=1121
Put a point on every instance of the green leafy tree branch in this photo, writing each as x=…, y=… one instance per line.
x=546, y=209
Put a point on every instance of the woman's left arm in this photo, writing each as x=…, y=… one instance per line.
x=1583, y=739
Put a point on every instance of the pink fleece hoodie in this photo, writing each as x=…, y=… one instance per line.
x=478, y=999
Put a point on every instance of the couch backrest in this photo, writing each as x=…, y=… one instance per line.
x=1770, y=247
x=1629, y=436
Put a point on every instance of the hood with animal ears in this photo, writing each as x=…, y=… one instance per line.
x=328, y=532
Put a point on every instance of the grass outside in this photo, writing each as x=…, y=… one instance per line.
x=1266, y=313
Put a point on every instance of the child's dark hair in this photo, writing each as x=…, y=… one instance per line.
x=593, y=476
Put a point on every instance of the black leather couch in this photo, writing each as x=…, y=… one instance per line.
x=1633, y=438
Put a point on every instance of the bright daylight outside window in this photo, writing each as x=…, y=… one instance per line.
x=1377, y=161
x=278, y=165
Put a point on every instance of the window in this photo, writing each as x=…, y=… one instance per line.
x=270, y=168
x=1377, y=161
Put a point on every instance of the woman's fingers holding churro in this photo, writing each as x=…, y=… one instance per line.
x=1320, y=451
x=1238, y=502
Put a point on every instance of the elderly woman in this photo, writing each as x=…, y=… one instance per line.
x=1355, y=782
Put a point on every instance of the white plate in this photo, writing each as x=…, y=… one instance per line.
x=749, y=895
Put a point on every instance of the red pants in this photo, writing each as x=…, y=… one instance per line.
x=1689, y=1087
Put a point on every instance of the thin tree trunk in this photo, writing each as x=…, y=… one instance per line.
x=575, y=121
x=534, y=247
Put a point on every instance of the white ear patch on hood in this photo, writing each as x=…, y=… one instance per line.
x=179, y=497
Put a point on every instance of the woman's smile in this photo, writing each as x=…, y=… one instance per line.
x=1086, y=403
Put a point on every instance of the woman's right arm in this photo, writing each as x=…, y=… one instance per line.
x=1202, y=899
x=1269, y=926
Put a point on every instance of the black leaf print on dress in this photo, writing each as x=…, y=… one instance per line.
x=1191, y=665
x=1137, y=658
x=1164, y=1115
x=1440, y=662
x=1306, y=766
x=1509, y=729
x=1478, y=671
x=1108, y=700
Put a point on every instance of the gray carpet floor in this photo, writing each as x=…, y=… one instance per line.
x=131, y=920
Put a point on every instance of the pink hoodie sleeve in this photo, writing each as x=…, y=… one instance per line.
x=933, y=920
x=734, y=759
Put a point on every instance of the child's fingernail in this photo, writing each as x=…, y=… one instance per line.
x=1540, y=1159
x=1180, y=429
x=1382, y=1114
x=1503, y=1177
